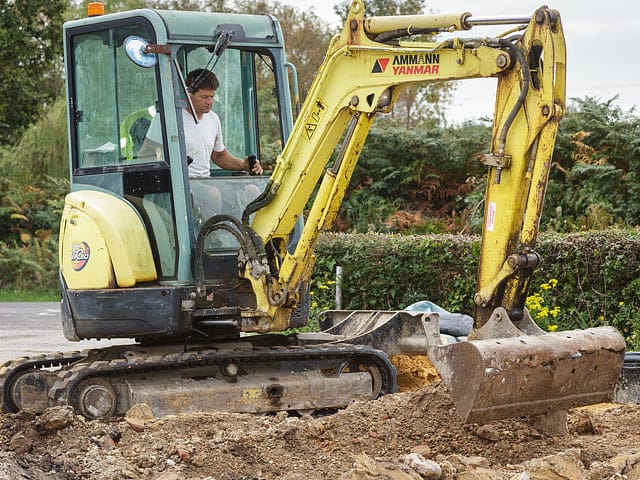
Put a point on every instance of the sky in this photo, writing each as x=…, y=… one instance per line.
x=602, y=42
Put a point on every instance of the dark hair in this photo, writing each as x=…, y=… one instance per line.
x=201, y=79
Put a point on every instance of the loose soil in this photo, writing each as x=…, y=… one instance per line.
x=367, y=440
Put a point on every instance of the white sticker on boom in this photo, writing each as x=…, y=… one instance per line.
x=491, y=216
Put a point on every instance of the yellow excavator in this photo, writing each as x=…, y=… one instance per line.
x=206, y=289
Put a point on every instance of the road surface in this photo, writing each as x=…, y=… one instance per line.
x=34, y=328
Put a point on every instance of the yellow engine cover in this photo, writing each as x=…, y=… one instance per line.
x=103, y=243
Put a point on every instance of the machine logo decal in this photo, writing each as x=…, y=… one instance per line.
x=314, y=117
x=80, y=254
x=380, y=66
x=416, y=64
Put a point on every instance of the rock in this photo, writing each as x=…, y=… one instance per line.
x=11, y=468
x=108, y=443
x=172, y=476
x=366, y=468
x=474, y=462
x=632, y=467
x=184, y=455
x=488, y=432
x=562, y=466
x=553, y=424
x=467, y=468
x=55, y=418
x=136, y=424
x=141, y=411
x=620, y=466
x=138, y=416
x=424, y=450
x=21, y=443
x=428, y=469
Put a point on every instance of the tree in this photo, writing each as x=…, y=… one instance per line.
x=382, y=7
x=30, y=62
x=306, y=36
x=594, y=179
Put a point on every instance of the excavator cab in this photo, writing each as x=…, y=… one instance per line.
x=126, y=72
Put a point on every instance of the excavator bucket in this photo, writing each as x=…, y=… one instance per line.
x=510, y=373
x=504, y=371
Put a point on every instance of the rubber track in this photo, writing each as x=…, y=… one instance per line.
x=62, y=391
x=12, y=369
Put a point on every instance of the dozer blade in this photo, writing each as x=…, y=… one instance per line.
x=528, y=374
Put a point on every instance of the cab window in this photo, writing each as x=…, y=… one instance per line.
x=114, y=100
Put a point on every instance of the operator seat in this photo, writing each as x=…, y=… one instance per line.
x=133, y=131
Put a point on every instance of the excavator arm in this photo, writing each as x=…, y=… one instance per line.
x=360, y=77
x=529, y=106
x=509, y=367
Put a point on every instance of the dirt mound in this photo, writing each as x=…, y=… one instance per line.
x=407, y=435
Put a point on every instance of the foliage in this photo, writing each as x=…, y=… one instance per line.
x=426, y=174
x=29, y=265
x=30, y=73
x=28, y=212
x=594, y=182
x=29, y=223
x=541, y=308
x=42, y=150
x=393, y=271
x=323, y=297
x=30, y=295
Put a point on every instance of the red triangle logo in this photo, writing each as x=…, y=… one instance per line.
x=380, y=66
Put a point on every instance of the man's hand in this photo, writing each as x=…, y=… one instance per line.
x=255, y=168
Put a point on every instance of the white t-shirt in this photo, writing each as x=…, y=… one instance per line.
x=201, y=140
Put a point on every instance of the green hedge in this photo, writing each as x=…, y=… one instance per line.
x=591, y=279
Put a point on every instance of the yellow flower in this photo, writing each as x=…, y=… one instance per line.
x=621, y=303
x=552, y=328
x=553, y=282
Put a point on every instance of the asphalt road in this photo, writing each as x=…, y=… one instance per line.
x=33, y=328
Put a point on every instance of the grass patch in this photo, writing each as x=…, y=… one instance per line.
x=37, y=295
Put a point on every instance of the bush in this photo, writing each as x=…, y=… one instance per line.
x=424, y=173
x=595, y=276
x=29, y=226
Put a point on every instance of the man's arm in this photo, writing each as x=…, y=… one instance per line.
x=225, y=160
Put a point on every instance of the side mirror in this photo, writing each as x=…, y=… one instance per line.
x=135, y=48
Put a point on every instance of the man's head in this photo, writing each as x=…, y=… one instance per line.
x=202, y=86
x=201, y=79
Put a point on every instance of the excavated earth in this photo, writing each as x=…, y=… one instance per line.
x=410, y=435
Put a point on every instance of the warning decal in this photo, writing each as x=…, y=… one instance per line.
x=313, y=118
x=491, y=216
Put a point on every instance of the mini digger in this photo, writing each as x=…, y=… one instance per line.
x=206, y=292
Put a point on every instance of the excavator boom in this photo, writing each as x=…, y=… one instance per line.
x=508, y=367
